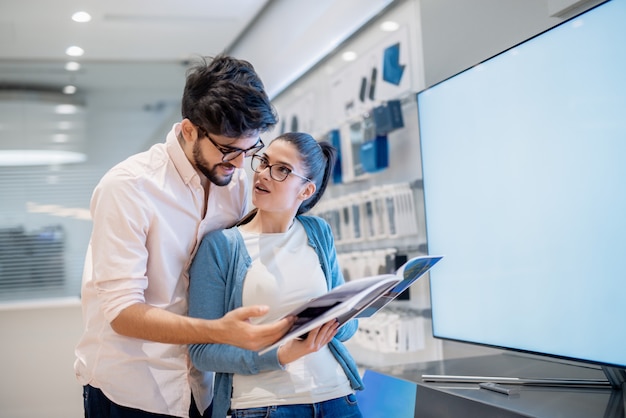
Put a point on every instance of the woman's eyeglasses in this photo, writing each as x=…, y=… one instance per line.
x=278, y=172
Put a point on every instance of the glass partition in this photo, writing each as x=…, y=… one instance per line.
x=117, y=110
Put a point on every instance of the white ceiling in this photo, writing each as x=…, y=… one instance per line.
x=161, y=30
x=151, y=36
x=146, y=43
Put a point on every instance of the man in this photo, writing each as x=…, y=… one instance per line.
x=149, y=214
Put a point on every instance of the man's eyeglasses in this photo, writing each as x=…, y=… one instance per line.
x=278, y=172
x=230, y=153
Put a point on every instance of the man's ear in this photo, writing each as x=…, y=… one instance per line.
x=188, y=130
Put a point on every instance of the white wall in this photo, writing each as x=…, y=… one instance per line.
x=36, y=358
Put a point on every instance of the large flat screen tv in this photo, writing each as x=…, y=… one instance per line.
x=524, y=168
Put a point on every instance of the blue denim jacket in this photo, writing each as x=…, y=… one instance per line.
x=216, y=277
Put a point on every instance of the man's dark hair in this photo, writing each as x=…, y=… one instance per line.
x=225, y=96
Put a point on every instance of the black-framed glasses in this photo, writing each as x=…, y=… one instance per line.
x=278, y=172
x=230, y=153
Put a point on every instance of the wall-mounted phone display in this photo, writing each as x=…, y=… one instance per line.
x=387, y=211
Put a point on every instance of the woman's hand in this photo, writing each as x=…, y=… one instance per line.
x=316, y=339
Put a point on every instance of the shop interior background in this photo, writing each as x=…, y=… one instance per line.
x=128, y=96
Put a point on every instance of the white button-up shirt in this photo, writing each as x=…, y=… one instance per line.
x=147, y=224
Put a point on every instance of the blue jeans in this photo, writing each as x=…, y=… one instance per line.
x=345, y=407
x=97, y=405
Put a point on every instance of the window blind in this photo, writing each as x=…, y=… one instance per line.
x=44, y=230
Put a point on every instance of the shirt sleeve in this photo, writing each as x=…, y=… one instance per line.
x=120, y=226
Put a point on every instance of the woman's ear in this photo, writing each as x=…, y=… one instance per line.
x=308, y=191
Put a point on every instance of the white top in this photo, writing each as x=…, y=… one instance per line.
x=285, y=272
x=147, y=224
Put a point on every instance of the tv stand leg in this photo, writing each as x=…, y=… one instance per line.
x=617, y=402
x=615, y=376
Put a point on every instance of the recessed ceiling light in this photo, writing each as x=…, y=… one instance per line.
x=72, y=66
x=349, y=56
x=60, y=138
x=74, y=51
x=69, y=89
x=81, y=17
x=39, y=157
x=65, y=109
x=389, y=26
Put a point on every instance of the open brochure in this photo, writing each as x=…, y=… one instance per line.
x=358, y=298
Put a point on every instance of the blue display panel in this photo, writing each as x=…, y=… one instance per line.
x=386, y=396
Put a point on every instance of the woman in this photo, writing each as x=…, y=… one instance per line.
x=280, y=258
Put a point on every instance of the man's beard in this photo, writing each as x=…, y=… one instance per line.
x=210, y=172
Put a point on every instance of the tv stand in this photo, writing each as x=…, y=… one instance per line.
x=588, y=391
x=555, y=382
x=615, y=378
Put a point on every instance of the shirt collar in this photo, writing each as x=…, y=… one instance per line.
x=177, y=155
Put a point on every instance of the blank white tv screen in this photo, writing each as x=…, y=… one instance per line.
x=524, y=165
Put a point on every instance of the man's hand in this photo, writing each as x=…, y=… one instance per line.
x=315, y=340
x=150, y=323
x=236, y=329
